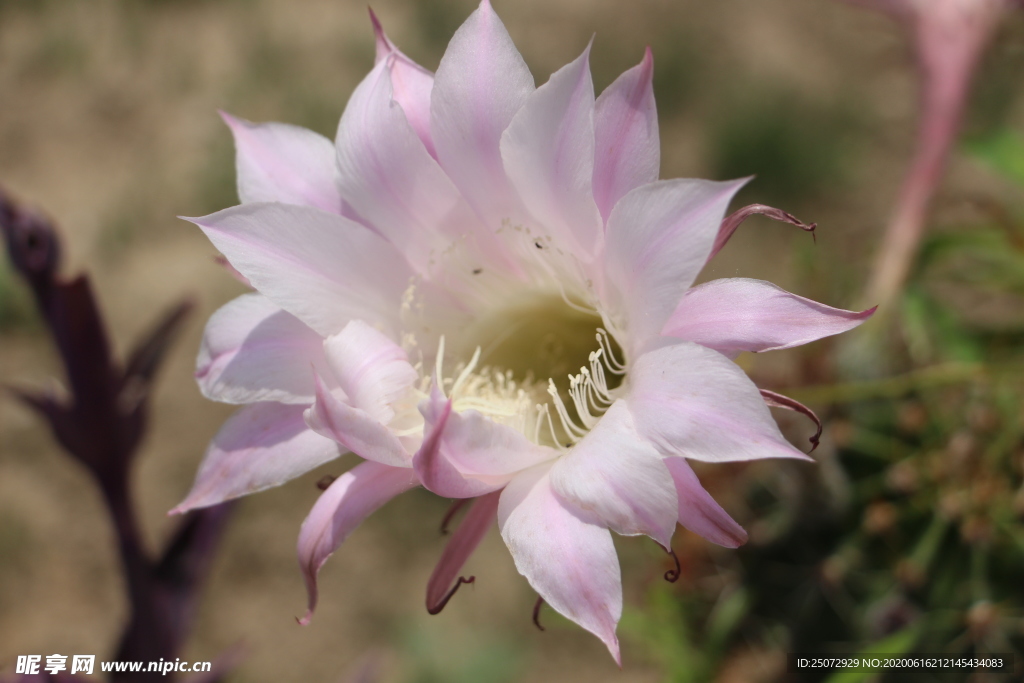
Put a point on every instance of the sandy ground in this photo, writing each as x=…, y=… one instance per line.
x=108, y=122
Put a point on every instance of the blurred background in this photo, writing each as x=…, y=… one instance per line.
x=906, y=536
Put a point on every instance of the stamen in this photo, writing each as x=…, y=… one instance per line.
x=456, y=506
x=612, y=362
x=439, y=364
x=572, y=431
x=466, y=371
x=672, y=575
x=536, y=612
x=436, y=609
x=325, y=481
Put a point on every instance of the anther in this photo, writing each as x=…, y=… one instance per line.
x=325, y=481
x=436, y=609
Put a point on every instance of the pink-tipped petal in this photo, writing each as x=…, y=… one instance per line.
x=548, y=152
x=738, y=314
x=619, y=478
x=277, y=162
x=467, y=537
x=260, y=446
x=570, y=562
x=658, y=238
x=628, y=148
x=354, y=429
x=253, y=351
x=340, y=509
x=372, y=370
x=693, y=402
x=386, y=173
x=432, y=461
x=699, y=512
x=481, y=83
x=411, y=84
x=322, y=268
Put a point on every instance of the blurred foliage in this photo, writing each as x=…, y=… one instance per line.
x=15, y=306
x=487, y=661
x=795, y=147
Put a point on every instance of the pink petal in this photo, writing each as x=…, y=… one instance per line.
x=693, y=402
x=411, y=84
x=340, y=509
x=386, y=173
x=355, y=429
x=620, y=478
x=548, y=151
x=277, y=162
x=738, y=314
x=464, y=541
x=571, y=563
x=253, y=351
x=658, y=238
x=433, y=463
x=699, y=512
x=372, y=370
x=628, y=148
x=323, y=269
x=260, y=446
x=481, y=83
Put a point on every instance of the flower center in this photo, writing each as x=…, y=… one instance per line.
x=542, y=367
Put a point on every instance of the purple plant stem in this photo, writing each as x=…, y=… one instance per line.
x=101, y=424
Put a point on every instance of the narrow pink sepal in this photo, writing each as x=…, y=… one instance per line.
x=699, y=512
x=341, y=508
x=479, y=519
x=733, y=221
x=739, y=314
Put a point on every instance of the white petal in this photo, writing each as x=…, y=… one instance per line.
x=253, y=351
x=737, y=314
x=658, y=238
x=548, y=151
x=388, y=176
x=433, y=463
x=277, y=162
x=693, y=402
x=481, y=83
x=260, y=446
x=620, y=478
x=372, y=370
x=339, y=510
x=571, y=563
x=323, y=269
x=354, y=429
x=628, y=148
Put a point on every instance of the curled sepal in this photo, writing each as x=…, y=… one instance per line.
x=779, y=401
x=341, y=508
x=463, y=542
x=733, y=221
